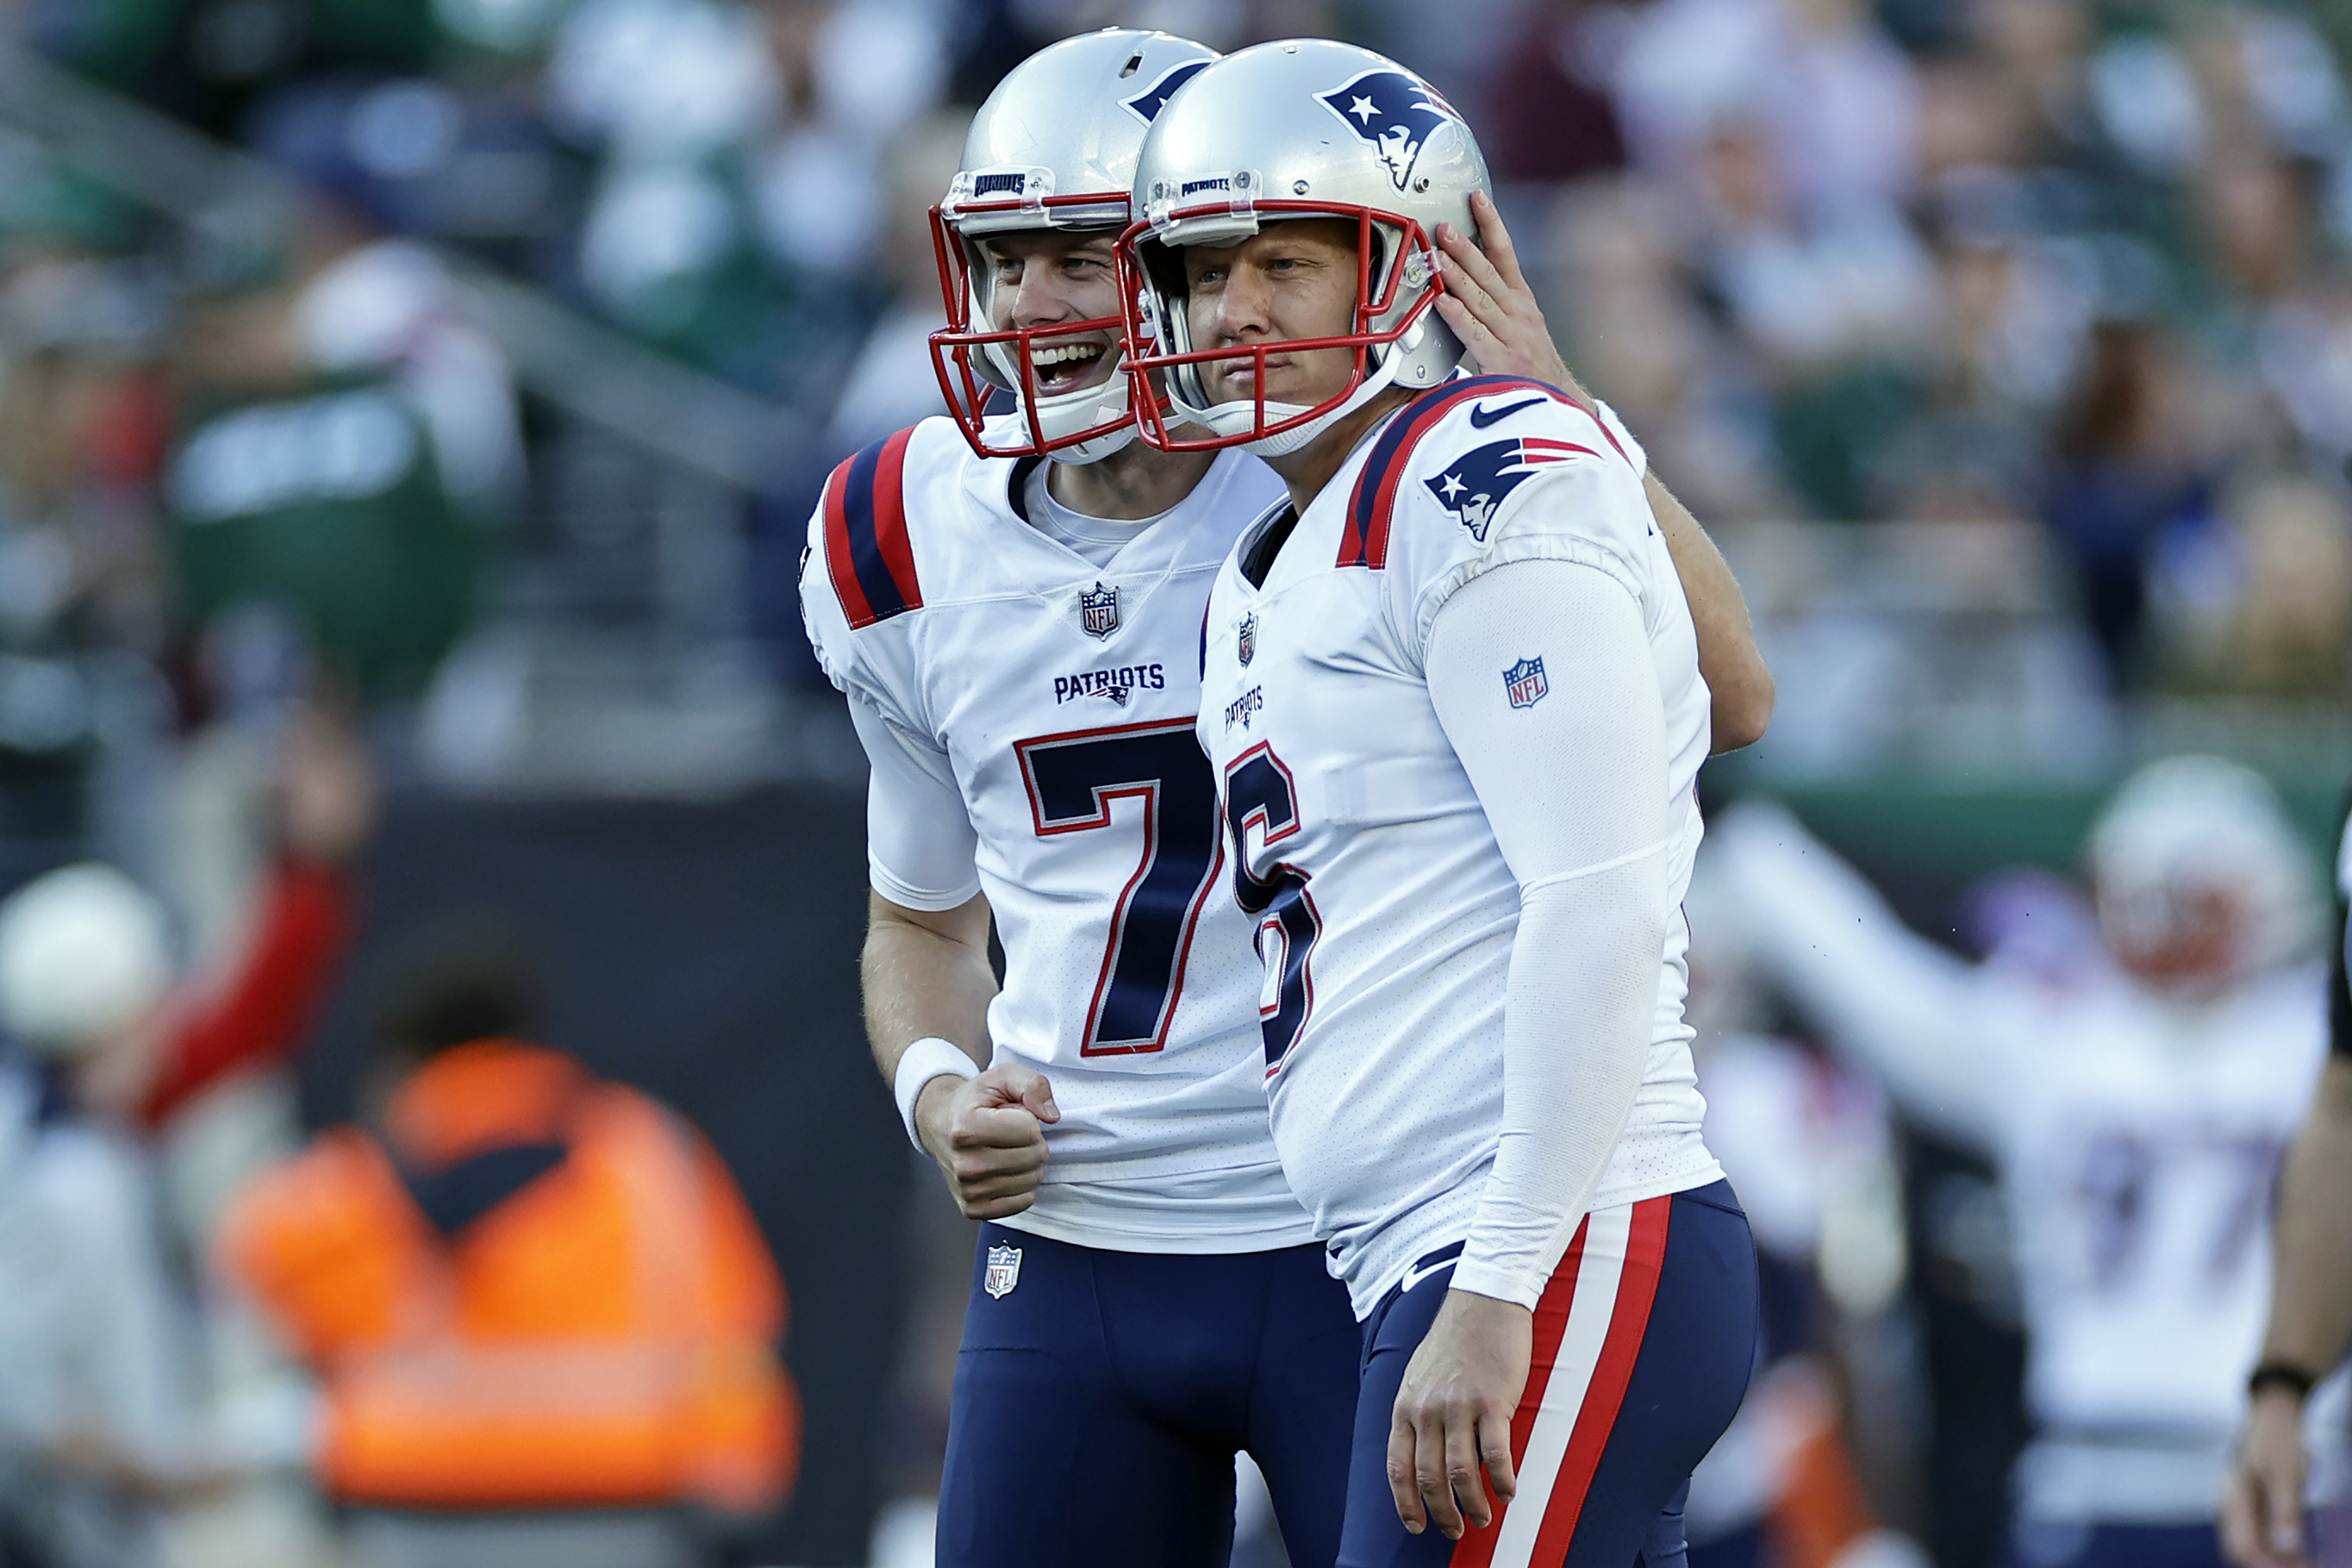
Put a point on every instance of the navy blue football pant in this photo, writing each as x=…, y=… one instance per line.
x=1100, y=1398
x=1643, y=1340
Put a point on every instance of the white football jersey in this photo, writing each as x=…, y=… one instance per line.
x=1386, y=911
x=2136, y=1137
x=1062, y=696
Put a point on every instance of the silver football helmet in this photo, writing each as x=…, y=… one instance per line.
x=1302, y=129
x=1054, y=147
x=2192, y=826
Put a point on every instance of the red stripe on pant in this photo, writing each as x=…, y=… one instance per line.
x=1604, y=1394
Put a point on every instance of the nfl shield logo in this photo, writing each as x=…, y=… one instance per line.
x=1525, y=682
x=1245, y=643
x=1099, y=614
x=1003, y=1271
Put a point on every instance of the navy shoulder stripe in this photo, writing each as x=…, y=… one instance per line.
x=866, y=550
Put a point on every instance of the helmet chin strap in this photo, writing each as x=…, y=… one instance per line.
x=1084, y=452
x=1228, y=418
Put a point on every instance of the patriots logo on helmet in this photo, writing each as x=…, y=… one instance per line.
x=1474, y=484
x=1392, y=111
x=1146, y=105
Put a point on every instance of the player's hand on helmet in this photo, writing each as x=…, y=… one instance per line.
x=1491, y=308
x=1453, y=1415
x=988, y=1133
x=2262, y=1510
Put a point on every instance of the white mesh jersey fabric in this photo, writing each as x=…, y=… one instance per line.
x=1056, y=697
x=1396, y=920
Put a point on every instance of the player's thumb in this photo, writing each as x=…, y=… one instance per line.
x=1037, y=1094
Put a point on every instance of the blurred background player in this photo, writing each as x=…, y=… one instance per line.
x=2311, y=1299
x=2134, y=1101
x=1464, y=874
x=541, y=1320
x=117, y=1411
x=1129, y=986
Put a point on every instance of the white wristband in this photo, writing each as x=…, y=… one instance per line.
x=926, y=1059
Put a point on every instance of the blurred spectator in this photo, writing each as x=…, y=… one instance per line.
x=2267, y=610
x=112, y=1425
x=543, y=1321
x=2126, y=481
x=309, y=477
x=893, y=383
x=275, y=979
x=100, y=1427
x=742, y=186
x=2135, y=1104
x=84, y=414
x=1544, y=118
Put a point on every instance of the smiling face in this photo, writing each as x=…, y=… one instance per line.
x=1286, y=282
x=1040, y=278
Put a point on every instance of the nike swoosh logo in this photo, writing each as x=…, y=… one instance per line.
x=1420, y=1272
x=1482, y=417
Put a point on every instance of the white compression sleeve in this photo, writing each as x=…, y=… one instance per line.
x=1574, y=787
x=919, y=841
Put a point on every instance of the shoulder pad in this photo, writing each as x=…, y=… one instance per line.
x=1485, y=473
x=867, y=551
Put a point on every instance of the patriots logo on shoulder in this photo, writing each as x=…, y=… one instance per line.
x=1524, y=683
x=1146, y=105
x=1474, y=483
x=1392, y=111
x=1099, y=610
x=1003, y=1272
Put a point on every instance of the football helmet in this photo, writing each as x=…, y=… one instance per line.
x=84, y=953
x=2182, y=830
x=1302, y=129
x=1053, y=148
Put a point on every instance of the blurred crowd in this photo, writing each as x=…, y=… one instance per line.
x=2078, y=267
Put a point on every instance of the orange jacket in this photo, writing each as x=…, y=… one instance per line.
x=603, y=1334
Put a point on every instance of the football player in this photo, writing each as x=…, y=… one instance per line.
x=1012, y=602
x=1453, y=693
x=2134, y=1100
x=2311, y=1288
